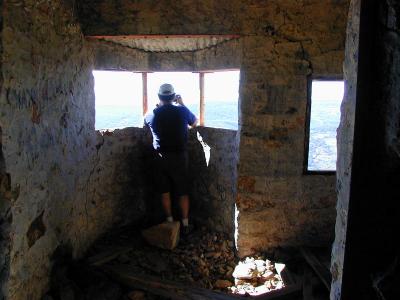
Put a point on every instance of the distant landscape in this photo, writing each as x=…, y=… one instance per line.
x=217, y=114
x=323, y=125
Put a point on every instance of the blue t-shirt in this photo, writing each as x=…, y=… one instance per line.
x=169, y=126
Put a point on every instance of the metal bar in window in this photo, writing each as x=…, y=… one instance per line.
x=144, y=84
x=202, y=105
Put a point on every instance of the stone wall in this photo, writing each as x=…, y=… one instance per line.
x=369, y=157
x=278, y=204
x=112, y=56
x=5, y=212
x=57, y=183
x=213, y=156
x=119, y=183
x=345, y=147
x=123, y=178
x=6, y=218
x=281, y=44
x=47, y=142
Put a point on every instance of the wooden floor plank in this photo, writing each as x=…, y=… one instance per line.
x=107, y=255
x=307, y=284
x=178, y=291
x=322, y=272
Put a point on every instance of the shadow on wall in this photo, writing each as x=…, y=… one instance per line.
x=200, y=176
x=5, y=221
x=124, y=177
x=213, y=174
x=120, y=178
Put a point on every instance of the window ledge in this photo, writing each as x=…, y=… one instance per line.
x=327, y=173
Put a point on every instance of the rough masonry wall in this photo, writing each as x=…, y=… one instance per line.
x=123, y=175
x=112, y=56
x=47, y=144
x=213, y=161
x=345, y=147
x=120, y=177
x=281, y=44
x=5, y=219
x=369, y=161
x=279, y=205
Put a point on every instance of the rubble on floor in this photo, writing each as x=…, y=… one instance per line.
x=205, y=260
x=257, y=276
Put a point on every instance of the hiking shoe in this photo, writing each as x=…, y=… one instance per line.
x=186, y=230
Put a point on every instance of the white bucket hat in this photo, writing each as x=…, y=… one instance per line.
x=166, y=90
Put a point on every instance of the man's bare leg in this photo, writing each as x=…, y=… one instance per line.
x=166, y=203
x=184, y=204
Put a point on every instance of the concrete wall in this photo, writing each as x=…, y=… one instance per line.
x=281, y=43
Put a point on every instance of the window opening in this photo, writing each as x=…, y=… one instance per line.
x=326, y=98
x=118, y=97
x=123, y=98
x=221, y=93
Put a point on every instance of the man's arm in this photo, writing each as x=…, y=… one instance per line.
x=192, y=120
x=195, y=123
x=178, y=100
x=145, y=124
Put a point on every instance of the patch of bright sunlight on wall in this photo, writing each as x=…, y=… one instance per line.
x=221, y=91
x=326, y=97
x=185, y=84
x=118, y=99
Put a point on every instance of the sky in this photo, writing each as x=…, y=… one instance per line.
x=119, y=88
x=327, y=90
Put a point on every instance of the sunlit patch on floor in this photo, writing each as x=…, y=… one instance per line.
x=257, y=276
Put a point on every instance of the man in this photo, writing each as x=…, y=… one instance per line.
x=169, y=126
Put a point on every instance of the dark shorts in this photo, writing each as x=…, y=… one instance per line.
x=171, y=172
